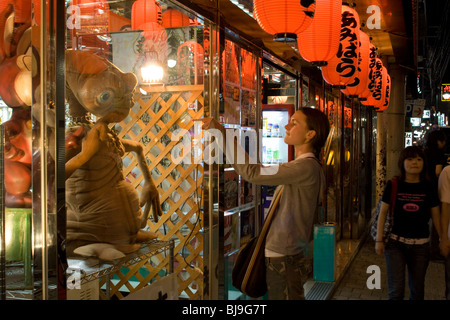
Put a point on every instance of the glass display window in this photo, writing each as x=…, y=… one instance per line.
x=135, y=73
x=100, y=147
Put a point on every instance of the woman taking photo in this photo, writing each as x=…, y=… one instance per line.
x=408, y=246
x=287, y=263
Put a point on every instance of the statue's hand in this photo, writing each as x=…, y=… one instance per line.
x=150, y=198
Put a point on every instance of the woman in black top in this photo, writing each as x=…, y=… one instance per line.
x=416, y=201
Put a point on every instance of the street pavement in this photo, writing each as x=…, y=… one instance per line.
x=353, y=285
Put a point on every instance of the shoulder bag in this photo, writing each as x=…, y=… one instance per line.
x=249, y=271
x=389, y=217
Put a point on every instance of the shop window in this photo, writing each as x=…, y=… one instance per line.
x=160, y=61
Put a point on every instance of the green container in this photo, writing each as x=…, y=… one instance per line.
x=18, y=239
x=324, y=252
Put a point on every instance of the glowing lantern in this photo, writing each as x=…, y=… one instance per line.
x=361, y=77
x=370, y=75
x=279, y=99
x=387, y=92
x=343, y=66
x=320, y=41
x=376, y=98
x=145, y=11
x=172, y=18
x=190, y=54
x=283, y=18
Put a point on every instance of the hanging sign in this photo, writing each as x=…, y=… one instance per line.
x=445, y=92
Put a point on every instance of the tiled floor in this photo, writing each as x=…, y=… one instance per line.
x=345, y=251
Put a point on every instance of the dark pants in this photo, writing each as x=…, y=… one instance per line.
x=286, y=276
x=399, y=256
x=447, y=277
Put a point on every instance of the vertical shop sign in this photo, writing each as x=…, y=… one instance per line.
x=348, y=54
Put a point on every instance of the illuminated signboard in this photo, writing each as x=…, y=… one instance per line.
x=445, y=92
x=415, y=122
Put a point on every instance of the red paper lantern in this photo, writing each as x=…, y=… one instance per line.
x=283, y=18
x=370, y=75
x=190, y=54
x=386, y=90
x=376, y=98
x=388, y=93
x=172, y=18
x=359, y=83
x=144, y=11
x=341, y=69
x=320, y=41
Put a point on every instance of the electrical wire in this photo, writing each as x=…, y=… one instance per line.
x=198, y=200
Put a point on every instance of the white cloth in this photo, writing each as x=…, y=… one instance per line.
x=444, y=188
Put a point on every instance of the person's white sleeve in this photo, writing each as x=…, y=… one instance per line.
x=444, y=185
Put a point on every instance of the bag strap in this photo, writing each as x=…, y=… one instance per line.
x=394, y=182
x=270, y=215
x=260, y=242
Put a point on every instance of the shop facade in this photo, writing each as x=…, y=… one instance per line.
x=169, y=64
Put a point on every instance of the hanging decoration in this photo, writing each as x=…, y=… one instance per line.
x=370, y=75
x=190, y=63
x=388, y=93
x=172, y=18
x=359, y=83
x=376, y=98
x=320, y=41
x=145, y=11
x=341, y=69
x=284, y=18
x=384, y=104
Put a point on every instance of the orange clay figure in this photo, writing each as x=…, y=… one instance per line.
x=15, y=91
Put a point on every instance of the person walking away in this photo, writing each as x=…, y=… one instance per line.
x=408, y=246
x=444, y=195
x=436, y=159
x=434, y=149
x=288, y=263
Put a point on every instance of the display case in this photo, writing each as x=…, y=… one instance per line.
x=240, y=113
x=105, y=134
